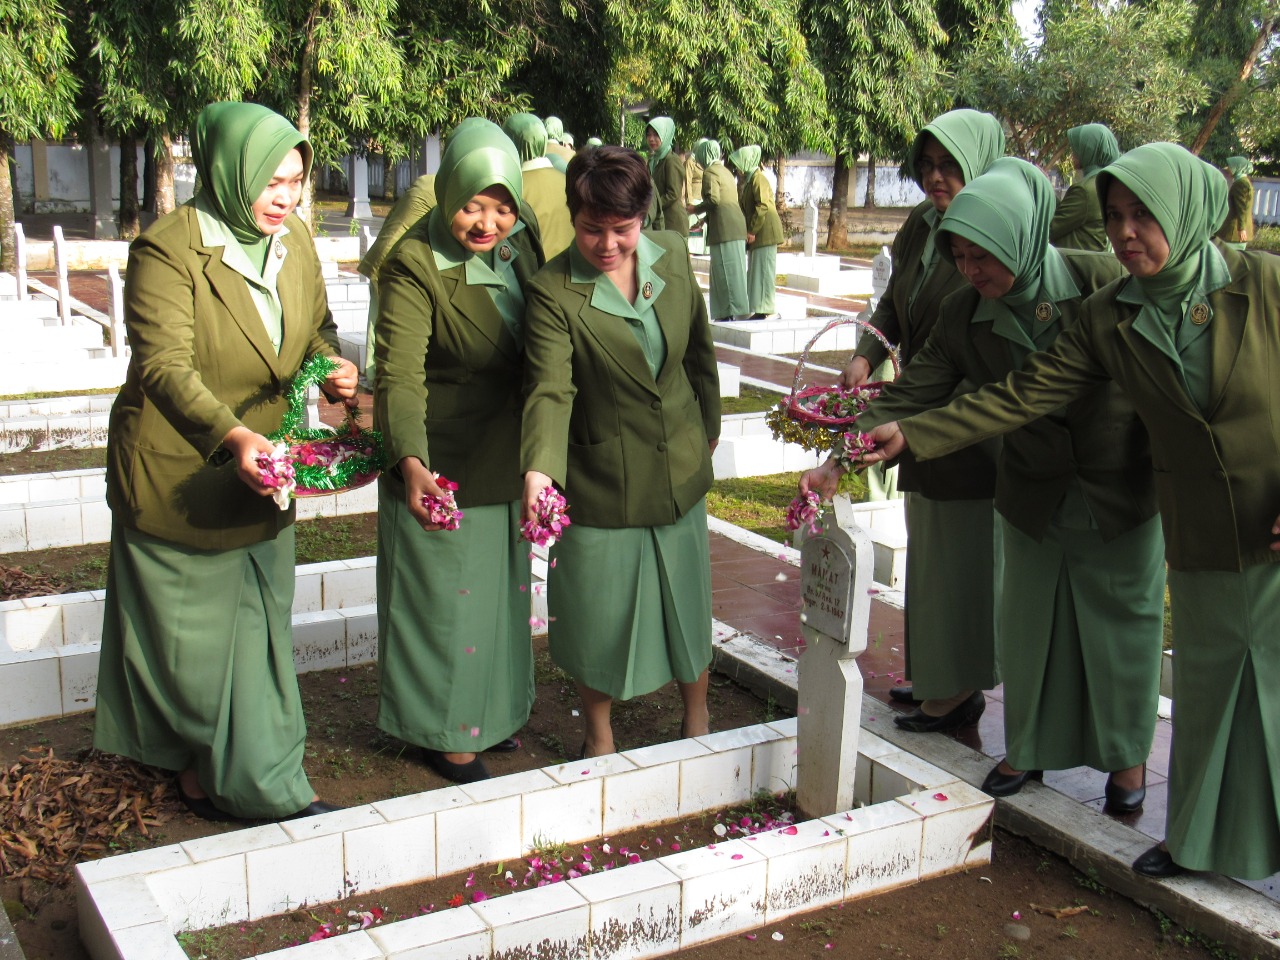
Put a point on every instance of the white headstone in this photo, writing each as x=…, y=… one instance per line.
x=836, y=567
x=366, y=240
x=811, y=228
x=359, y=205
x=115, y=310
x=881, y=267
x=20, y=259
x=64, y=285
x=313, y=409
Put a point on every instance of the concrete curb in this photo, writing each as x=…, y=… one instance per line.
x=10, y=949
x=1217, y=907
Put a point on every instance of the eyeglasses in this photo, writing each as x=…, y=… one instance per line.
x=948, y=168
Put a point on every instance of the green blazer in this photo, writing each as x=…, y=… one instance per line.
x=725, y=221
x=755, y=196
x=1217, y=475
x=202, y=363
x=544, y=191
x=627, y=450
x=449, y=372
x=1097, y=439
x=1239, y=212
x=1077, y=222
x=970, y=474
x=668, y=182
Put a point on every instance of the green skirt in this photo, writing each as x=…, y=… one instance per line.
x=953, y=568
x=196, y=669
x=630, y=608
x=762, y=278
x=729, y=280
x=455, y=655
x=1224, y=776
x=1081, y=629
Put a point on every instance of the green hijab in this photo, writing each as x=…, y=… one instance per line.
x=707, y=152
x=1239, y=166
x=528, y=133
x=594, y=142
x=555, y=129
x=1094, y=146
x=746, y=159
x=1006, y=211
x=477, y=155
x=1188, y=198
x=665, y=128
x=974, y=139
x=237, y=148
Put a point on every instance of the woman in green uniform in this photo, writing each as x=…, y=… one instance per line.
x=1077, y=223
x=224, y=304
x=764, y=230
x=622, y=413
x=951, y=556
x=726, y=234
x=1192, y=338
x=1082, y=597
x=543, y=184
x=667, y=173
x=559, y=153
x=453, y=608
x=1237, y=228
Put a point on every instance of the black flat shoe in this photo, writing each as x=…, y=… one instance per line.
x=472, y=772
x=313, y=809
x=1157, y=862
x=1000, y=784
x=1120, y=800
x=204, y=808
x=509, y=745
x=903, y=695
x=966, y=714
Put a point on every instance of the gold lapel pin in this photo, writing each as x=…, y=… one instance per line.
x=647, y=290
x=505, y=253
x=1200, y=313
x=1044, y=312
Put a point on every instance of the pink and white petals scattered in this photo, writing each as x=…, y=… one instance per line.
x=444, y=508
x=806, y=512
x=550, y=519
x=275, y=469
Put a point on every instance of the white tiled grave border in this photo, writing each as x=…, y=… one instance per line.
x=921, y=822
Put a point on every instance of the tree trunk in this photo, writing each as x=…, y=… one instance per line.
x=165, y=202
x=1232, y=93
x=149, y=174
x=869, y=200
x=837, y=229
x=304, y=111
x=780, y=194
x=130, y=225
x=8, y=262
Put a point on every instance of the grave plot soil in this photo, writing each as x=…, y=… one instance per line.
x=50, y=461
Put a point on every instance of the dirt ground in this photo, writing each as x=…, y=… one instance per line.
x=986, y=913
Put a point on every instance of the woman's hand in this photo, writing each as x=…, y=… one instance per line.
x=343, y=382
x=889, y=443
x=245, y=447
x=534, y=484
x=690, y=208
x=419, y=482
x=856, y=373
x=823, y=480
x=751, y=238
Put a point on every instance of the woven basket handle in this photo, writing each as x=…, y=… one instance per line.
x=840, y=322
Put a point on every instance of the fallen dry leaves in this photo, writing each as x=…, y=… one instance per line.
x=1059, y=913
x=55, y=813
x=17, y=584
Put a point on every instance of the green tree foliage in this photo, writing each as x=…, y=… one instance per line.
x=37, y=90
x=1113, y=64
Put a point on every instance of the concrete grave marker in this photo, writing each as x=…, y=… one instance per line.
x=836, y=567
x=811, y=228
x=20, y=258
x=881, y=267
x=64, y=287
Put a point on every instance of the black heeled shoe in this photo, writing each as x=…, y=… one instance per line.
x=905, y=695
x=1120, y=800
x=1158, y=863
x=509, y=745
x=472, y=772
x=1000, y=784
x=204, y=807
x=313, y=809
x=966, y=714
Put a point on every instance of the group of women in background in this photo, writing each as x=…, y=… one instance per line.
x=1131, y=393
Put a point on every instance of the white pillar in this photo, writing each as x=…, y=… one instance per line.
x=115, y=310
x=100, y=205
x=431, y=153
x=20, y=259
x=64, y=285
x=358, y=208
x=811, y=228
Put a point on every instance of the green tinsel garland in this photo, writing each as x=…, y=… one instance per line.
x=351, y=470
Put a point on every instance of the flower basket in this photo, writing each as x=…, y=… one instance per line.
x=816, y=417
x=326, y=460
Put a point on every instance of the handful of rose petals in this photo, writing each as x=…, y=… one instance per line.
x=550, y=517
x=852, y=447
x=805, y=512
x=444, y=508
x=275, y=469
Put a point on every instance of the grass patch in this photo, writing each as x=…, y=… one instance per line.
x=55, y=394
x=759, y=504
x=749, y=400
x=1266, y=238
x=337, y=538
